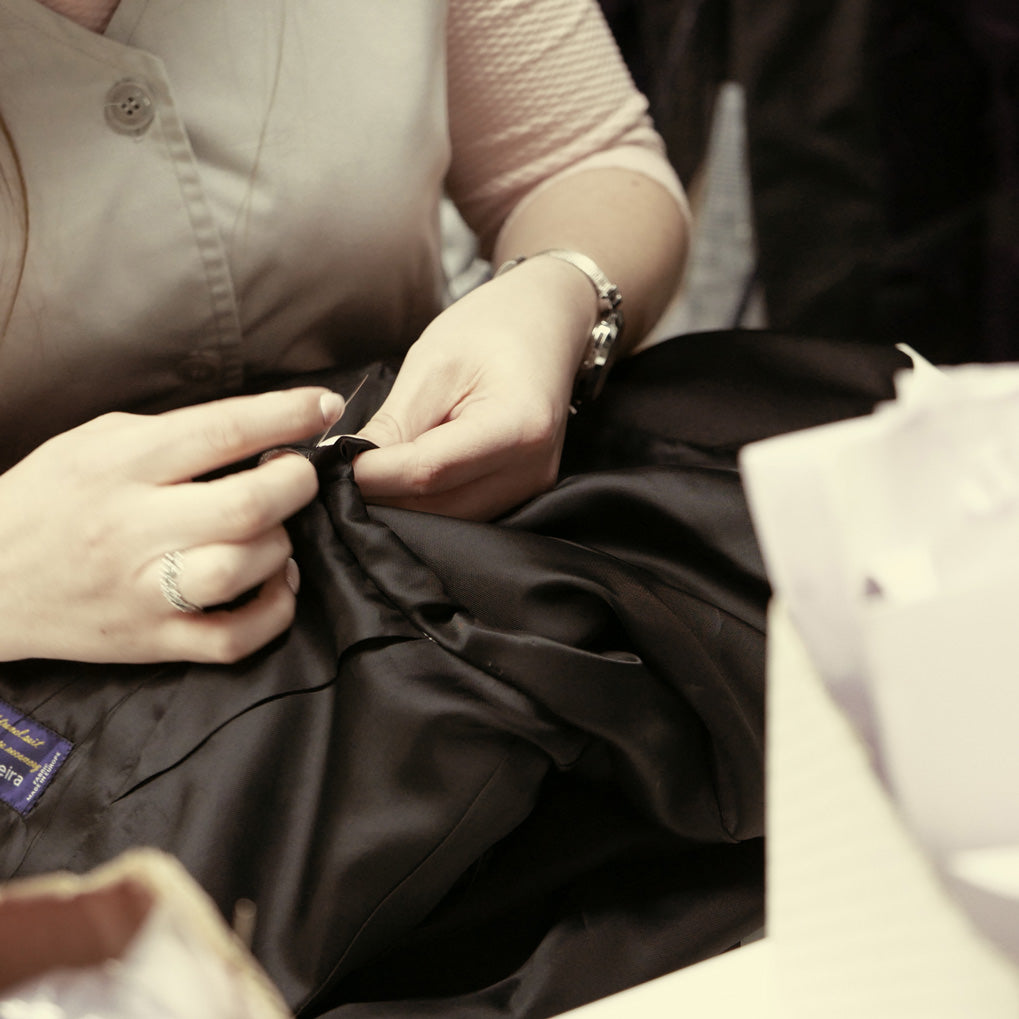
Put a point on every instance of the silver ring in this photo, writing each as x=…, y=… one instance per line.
x=172, y=563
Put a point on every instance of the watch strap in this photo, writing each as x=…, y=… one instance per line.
x=602, y=346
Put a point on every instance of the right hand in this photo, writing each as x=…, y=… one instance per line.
x=86, y=518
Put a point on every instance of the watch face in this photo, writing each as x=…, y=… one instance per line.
x=600, y=353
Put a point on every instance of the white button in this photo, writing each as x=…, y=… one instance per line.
x=129, y=107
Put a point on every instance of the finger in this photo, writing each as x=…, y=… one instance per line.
x=468, y=502
x=219, y=573
x=390, y=426
x=421, y=399
x=195, y=440
x=483, y=499
x=226, y=636
x=449, y=457
x=237, y=508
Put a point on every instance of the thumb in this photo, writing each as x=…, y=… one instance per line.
x=385, y=429
x=415, y=405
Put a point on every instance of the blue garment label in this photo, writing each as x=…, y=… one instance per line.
x=30, y=755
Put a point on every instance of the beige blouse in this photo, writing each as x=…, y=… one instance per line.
x=221, y=191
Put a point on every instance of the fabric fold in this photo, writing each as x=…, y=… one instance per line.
x=493, y=769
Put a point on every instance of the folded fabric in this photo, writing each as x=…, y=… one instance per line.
x=493, y=769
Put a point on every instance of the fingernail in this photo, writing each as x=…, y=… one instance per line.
x=277, y=451
x=293, y=576
x=332, y=405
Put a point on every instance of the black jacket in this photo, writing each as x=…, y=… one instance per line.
x=493, y=769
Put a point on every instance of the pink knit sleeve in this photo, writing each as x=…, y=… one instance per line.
x=537, y=88
x=92, y=14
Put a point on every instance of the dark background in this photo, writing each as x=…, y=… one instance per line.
x=883, y=152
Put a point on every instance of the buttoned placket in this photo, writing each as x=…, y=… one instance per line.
x=134, y=107
x=137, y=104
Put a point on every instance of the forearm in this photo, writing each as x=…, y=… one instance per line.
x=629, y=224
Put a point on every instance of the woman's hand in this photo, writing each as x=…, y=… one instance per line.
x=86, y=519
x=475, y=421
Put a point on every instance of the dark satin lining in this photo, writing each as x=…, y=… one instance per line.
x=493, y=769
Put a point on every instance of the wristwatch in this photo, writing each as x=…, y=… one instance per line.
x=602, y=346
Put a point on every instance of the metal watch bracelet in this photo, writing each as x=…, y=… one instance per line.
x=602, y=346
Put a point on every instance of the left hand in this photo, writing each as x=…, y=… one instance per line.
x=474, y=424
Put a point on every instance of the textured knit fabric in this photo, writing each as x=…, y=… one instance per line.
x=535, y=89
x=91, y=14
